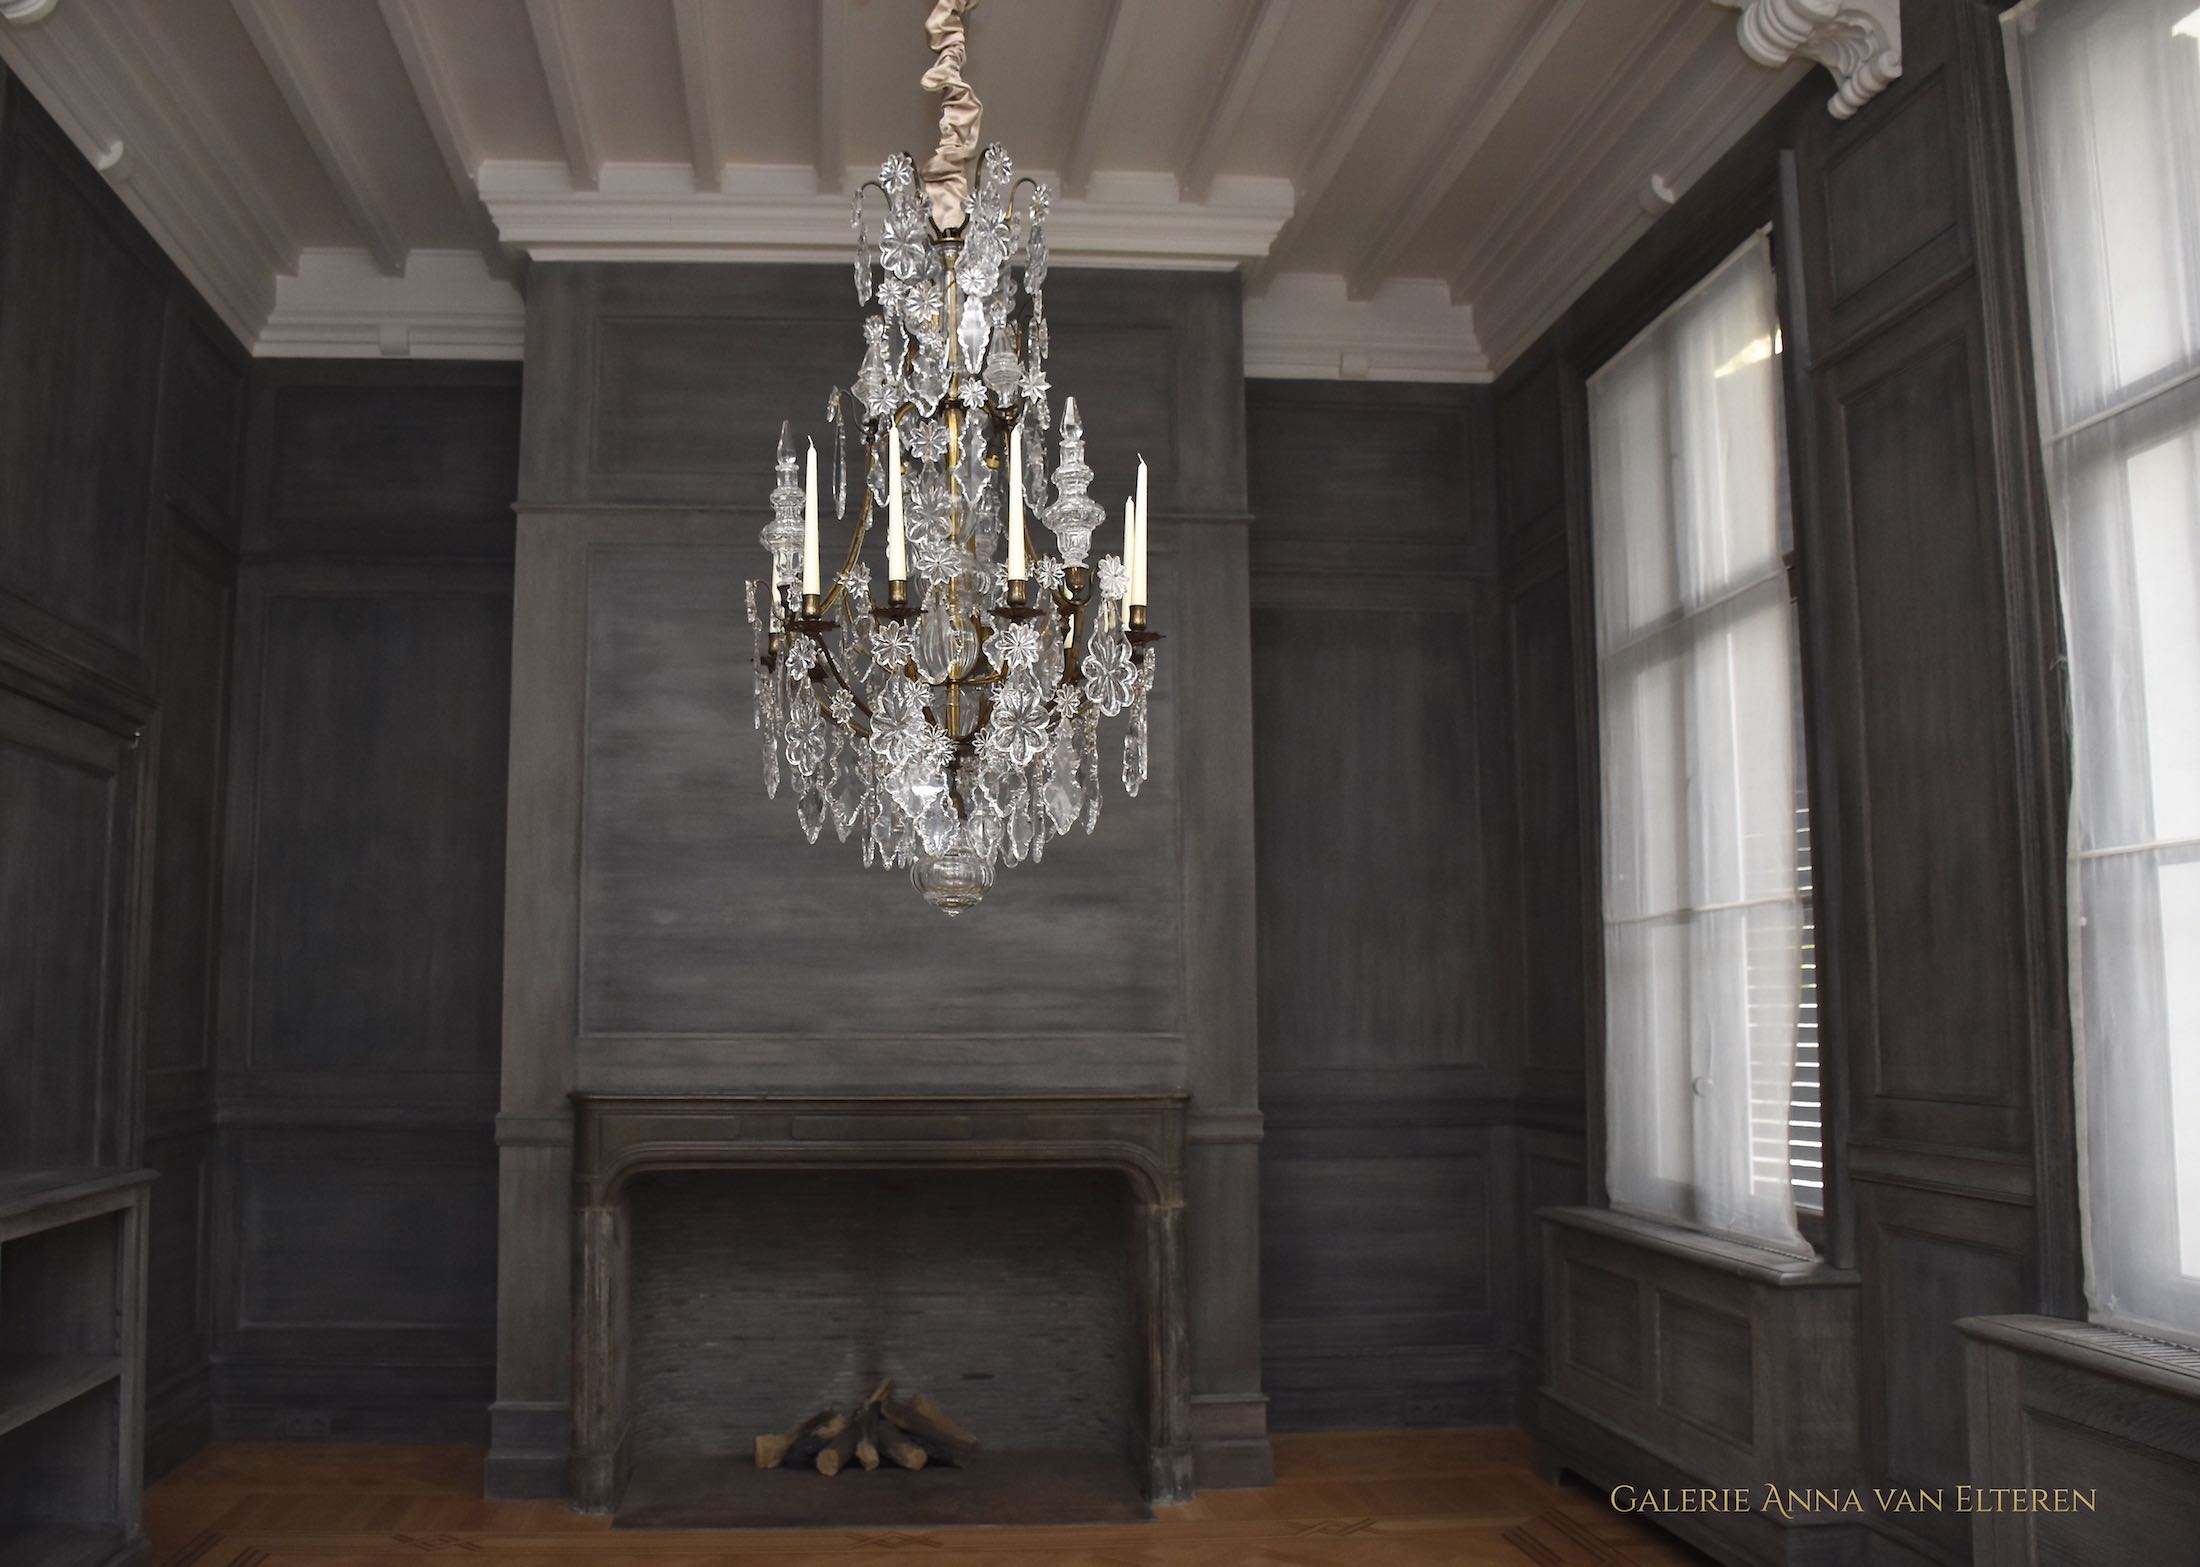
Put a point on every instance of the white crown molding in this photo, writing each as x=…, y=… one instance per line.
x=446, y=304
x=1304, y=327
x=653, y=212
x=24, y=12
x=1591, y=225
x=172, y=164
x=1859, y=41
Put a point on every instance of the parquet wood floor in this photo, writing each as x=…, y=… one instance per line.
x=1365, y=1499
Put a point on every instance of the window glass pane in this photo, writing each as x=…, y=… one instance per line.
x=2113, y=126
x=1703, y=860
x=2108, y=93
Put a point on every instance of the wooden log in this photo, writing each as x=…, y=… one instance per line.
x=902, y=1449
x=867, y=1438
x=834, y=1455
x=932, y=1429
x=799, y=1445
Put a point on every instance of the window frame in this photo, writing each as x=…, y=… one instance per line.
x=2160, y=405
x=1614, y=314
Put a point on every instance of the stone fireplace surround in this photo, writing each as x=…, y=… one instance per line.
x=620, y=1137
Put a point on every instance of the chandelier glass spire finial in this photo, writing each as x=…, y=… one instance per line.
x=951, y=727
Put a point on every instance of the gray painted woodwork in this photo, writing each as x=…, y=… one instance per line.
x=72, y=1405
x=353, y=1187
x=1668, y=1356
x=667, y=929
x=1929, y=636
x=1389, y=1064
x=121, y=401
x=2072, y=1405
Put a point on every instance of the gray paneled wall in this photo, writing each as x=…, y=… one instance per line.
x=1389, y=1072
x=121, y=412
x=667, y=927
x=362, y=930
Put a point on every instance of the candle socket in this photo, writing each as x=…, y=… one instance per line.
x=1138, y=617
x=1076, y=584
x=811, y=622
x=1019, y=607
x=897, y=606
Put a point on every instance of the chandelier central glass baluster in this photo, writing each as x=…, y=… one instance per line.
x=953, y=727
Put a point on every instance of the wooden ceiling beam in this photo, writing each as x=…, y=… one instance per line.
x=446, y=119
x=1256, y=38
x=577, y=128
x=1386, y=53
x=276, y=32
x=706, y=136
x=1455, y=148
x=1103, y=93
x=833, y=28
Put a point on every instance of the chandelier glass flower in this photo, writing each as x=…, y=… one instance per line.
x=954, y=726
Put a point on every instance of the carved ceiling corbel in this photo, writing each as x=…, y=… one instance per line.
x=1859, y=41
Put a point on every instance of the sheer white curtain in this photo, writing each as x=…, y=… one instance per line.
x=2108, y=94
x=1695, y=658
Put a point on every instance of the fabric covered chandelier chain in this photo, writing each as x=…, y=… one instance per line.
x=954, y=726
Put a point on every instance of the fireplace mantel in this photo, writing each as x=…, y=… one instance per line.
x=621, y=1136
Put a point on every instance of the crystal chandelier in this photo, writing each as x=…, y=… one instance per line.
x=955, y=726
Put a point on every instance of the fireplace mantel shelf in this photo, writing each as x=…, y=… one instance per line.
x=620, y=1136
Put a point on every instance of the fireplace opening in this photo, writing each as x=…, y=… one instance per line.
x=755, y=1297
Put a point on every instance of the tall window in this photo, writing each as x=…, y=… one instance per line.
x=2108, y=93
x=1711, y=1111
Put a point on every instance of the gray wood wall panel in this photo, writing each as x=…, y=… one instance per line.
x=81, y=337
x=187, y=830
x=669, y=929
x=704, y=910
x=343, y=464
x=120, y=414
x=1387, y=1072
x=64, y=902
x=355, y=1191
x=674, y=391
x=373, y=904
x=1372, y=891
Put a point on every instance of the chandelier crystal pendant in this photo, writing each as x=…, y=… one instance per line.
x=955, y=726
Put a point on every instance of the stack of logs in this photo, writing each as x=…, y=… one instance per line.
x=881, y=1429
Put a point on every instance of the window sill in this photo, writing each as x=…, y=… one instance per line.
x=1757, y=1264
x=2161, y=1367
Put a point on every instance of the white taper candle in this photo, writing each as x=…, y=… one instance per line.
x=897, y=542
x=1016, y=503
x=1130, y=550
x=810, y=561
x=1145, y=538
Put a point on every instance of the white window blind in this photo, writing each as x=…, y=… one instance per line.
x=1708, y=1119
x=2108, y=96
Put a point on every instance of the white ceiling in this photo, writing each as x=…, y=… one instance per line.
x=1414, y=188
